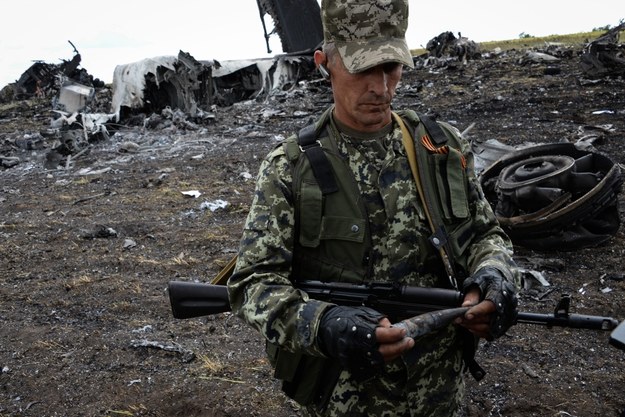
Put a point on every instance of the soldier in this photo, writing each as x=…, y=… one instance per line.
x=338, y=202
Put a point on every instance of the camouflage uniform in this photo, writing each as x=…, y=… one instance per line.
x=427, y=381
x=262, y=293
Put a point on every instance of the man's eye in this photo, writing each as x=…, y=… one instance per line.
x=391, y=66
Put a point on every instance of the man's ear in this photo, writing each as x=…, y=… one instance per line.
x=320, y=60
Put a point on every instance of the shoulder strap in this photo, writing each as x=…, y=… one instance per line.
x=321, y=166
x=322, y=170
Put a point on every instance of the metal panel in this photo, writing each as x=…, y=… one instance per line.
x=297, y=23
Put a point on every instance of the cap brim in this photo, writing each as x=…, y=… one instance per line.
x=359, y=56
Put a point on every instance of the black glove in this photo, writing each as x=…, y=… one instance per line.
x=348, y=334
x=501, y=292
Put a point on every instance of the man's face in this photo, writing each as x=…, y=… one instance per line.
x=363, y=100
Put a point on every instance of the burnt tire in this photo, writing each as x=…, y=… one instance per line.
x=566, y=207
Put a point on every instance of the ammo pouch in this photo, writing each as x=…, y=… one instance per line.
x=309, y=380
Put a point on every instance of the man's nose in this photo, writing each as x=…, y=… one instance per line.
x=378, y=81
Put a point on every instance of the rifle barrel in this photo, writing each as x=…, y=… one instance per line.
x=578, y=321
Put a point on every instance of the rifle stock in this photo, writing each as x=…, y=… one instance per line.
x=192, y=299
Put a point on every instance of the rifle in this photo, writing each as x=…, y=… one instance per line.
x=192, y=299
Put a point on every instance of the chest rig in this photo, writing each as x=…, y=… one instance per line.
x=332, y=233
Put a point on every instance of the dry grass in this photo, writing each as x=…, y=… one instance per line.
x=133, y=410
x=532, y=42
x=571, y=39
x=78, y=282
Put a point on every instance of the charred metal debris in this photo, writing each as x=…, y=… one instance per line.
x=43, y=79
x=605, y=56
x=447, y=45
x=289, y=18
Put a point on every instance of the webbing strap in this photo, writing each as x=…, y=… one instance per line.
x=319, y=162
x=443, y=150
x=434, y=130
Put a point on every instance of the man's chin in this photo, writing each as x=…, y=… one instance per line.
x=376, y=120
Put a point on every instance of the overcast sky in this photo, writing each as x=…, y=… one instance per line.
x=116, y=32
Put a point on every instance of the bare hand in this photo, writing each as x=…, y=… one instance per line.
x=393, y=341
x=478, y=318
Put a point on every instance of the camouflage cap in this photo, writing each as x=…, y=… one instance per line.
x=367, y=32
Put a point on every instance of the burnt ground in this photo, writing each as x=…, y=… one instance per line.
x=87, y=250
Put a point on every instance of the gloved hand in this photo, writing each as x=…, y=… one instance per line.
x=502, y=293
x=348, y=334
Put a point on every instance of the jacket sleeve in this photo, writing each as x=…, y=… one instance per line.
x=260, y=288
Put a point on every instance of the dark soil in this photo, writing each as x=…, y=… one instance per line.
x=87, y=250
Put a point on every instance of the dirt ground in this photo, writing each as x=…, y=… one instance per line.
x=87, y=250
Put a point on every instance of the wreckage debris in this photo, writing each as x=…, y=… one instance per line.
x=152, y=84
x=181, y=93
x=182, y=83
x=446, y=44
x=44, y=80
x=74, y=97
x=555, y=196
x=186, y=354
x=604, y=56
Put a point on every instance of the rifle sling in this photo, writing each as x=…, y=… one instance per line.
x=226, y=271
x=439, y=236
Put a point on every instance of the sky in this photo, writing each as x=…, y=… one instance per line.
x=119, y=32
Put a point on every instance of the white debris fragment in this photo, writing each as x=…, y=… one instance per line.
x=582, y=290
x=146, y=328
x=187, y=355
x=191, y=193
x=541, y=57
x=213, y=205
x=532, y=278
x=90, y=171
x=246, y=175
x=129, y=243
x=603, y=112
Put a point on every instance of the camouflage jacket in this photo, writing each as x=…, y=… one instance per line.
x=261, y=290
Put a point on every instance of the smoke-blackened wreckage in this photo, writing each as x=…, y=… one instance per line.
x=544, y=195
